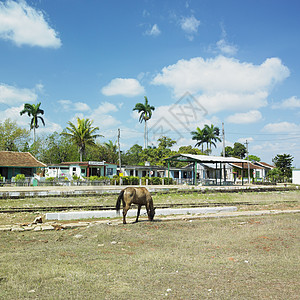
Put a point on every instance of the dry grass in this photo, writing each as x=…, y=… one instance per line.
x=266, y=200
x=235, y=258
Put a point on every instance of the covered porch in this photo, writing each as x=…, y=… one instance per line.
x=218, y=164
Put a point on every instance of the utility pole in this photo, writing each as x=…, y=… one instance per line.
x=223, y=137
x=119, y=135
x=247, y=143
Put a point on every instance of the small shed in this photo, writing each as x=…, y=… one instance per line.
x=13, y=163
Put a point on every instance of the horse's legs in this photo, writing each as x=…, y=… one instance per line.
x=148, y=209
x=125, y=210
x=138, y=213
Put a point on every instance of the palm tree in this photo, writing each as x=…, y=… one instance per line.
x=212, y=135
x=83, y=134
x=146, y=114
x=34, y=111
x=199, y=136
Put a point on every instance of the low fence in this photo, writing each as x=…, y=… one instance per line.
x=126, y=180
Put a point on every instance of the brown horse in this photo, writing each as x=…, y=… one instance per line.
x=135, y=195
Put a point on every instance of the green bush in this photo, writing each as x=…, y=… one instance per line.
x=168, y=180
x=97, y=178
x=19, y=177
x=1, y=178
x=115, y=180
x=130, y=180
x=155, y=180
x=144, y=180
x=51, y=179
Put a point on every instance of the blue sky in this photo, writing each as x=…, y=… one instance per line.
x=198, y=62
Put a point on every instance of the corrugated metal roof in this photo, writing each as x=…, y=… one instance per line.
x=206, y=158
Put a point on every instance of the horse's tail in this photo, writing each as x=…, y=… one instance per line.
x=118, y=203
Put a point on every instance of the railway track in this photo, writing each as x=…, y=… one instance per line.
x=106, y=207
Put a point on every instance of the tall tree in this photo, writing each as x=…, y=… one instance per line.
x=189, y=150
x=83, y=134
x=133, y=155
x=33, y=111
x=284, y=163
x=145, y=111
x=12, y=137
x=239, y=150
x=165, y=142
x=199, y=136
x=254, y=158
x=57, y=148
x=211, y=134
x=112, y=151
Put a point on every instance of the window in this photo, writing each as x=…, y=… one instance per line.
x=109, y=171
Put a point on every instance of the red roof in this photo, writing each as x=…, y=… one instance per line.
x=265, y=164
x=252, y=166
x=19, y=159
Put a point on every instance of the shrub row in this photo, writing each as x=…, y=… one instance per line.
x=133, y=180
x=126, y=180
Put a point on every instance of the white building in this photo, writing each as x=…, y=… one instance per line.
x=296, y=176
x=81, y=169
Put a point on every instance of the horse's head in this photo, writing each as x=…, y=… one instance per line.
x=152, y=214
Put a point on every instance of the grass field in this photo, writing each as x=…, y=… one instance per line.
x=234, y=258
x=265, y=200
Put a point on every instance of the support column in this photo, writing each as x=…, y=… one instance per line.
x=168, y=172
x=195, y=173
x=220, y=173
x=216, y=173
x=242, y=173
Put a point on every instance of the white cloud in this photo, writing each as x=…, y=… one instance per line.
x=221, y=101
x=102, y=116
x=281, y=127
x=11, y=95
x=190, y=26
x=128, y=87
x=75, y=106
x=13, y=113
x=226, y=48
x=251, y=116
x=290, y=103
x=224, y=83
x=154, y=31
x=25, y=25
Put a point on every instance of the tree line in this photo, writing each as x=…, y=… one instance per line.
x=80, y=141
